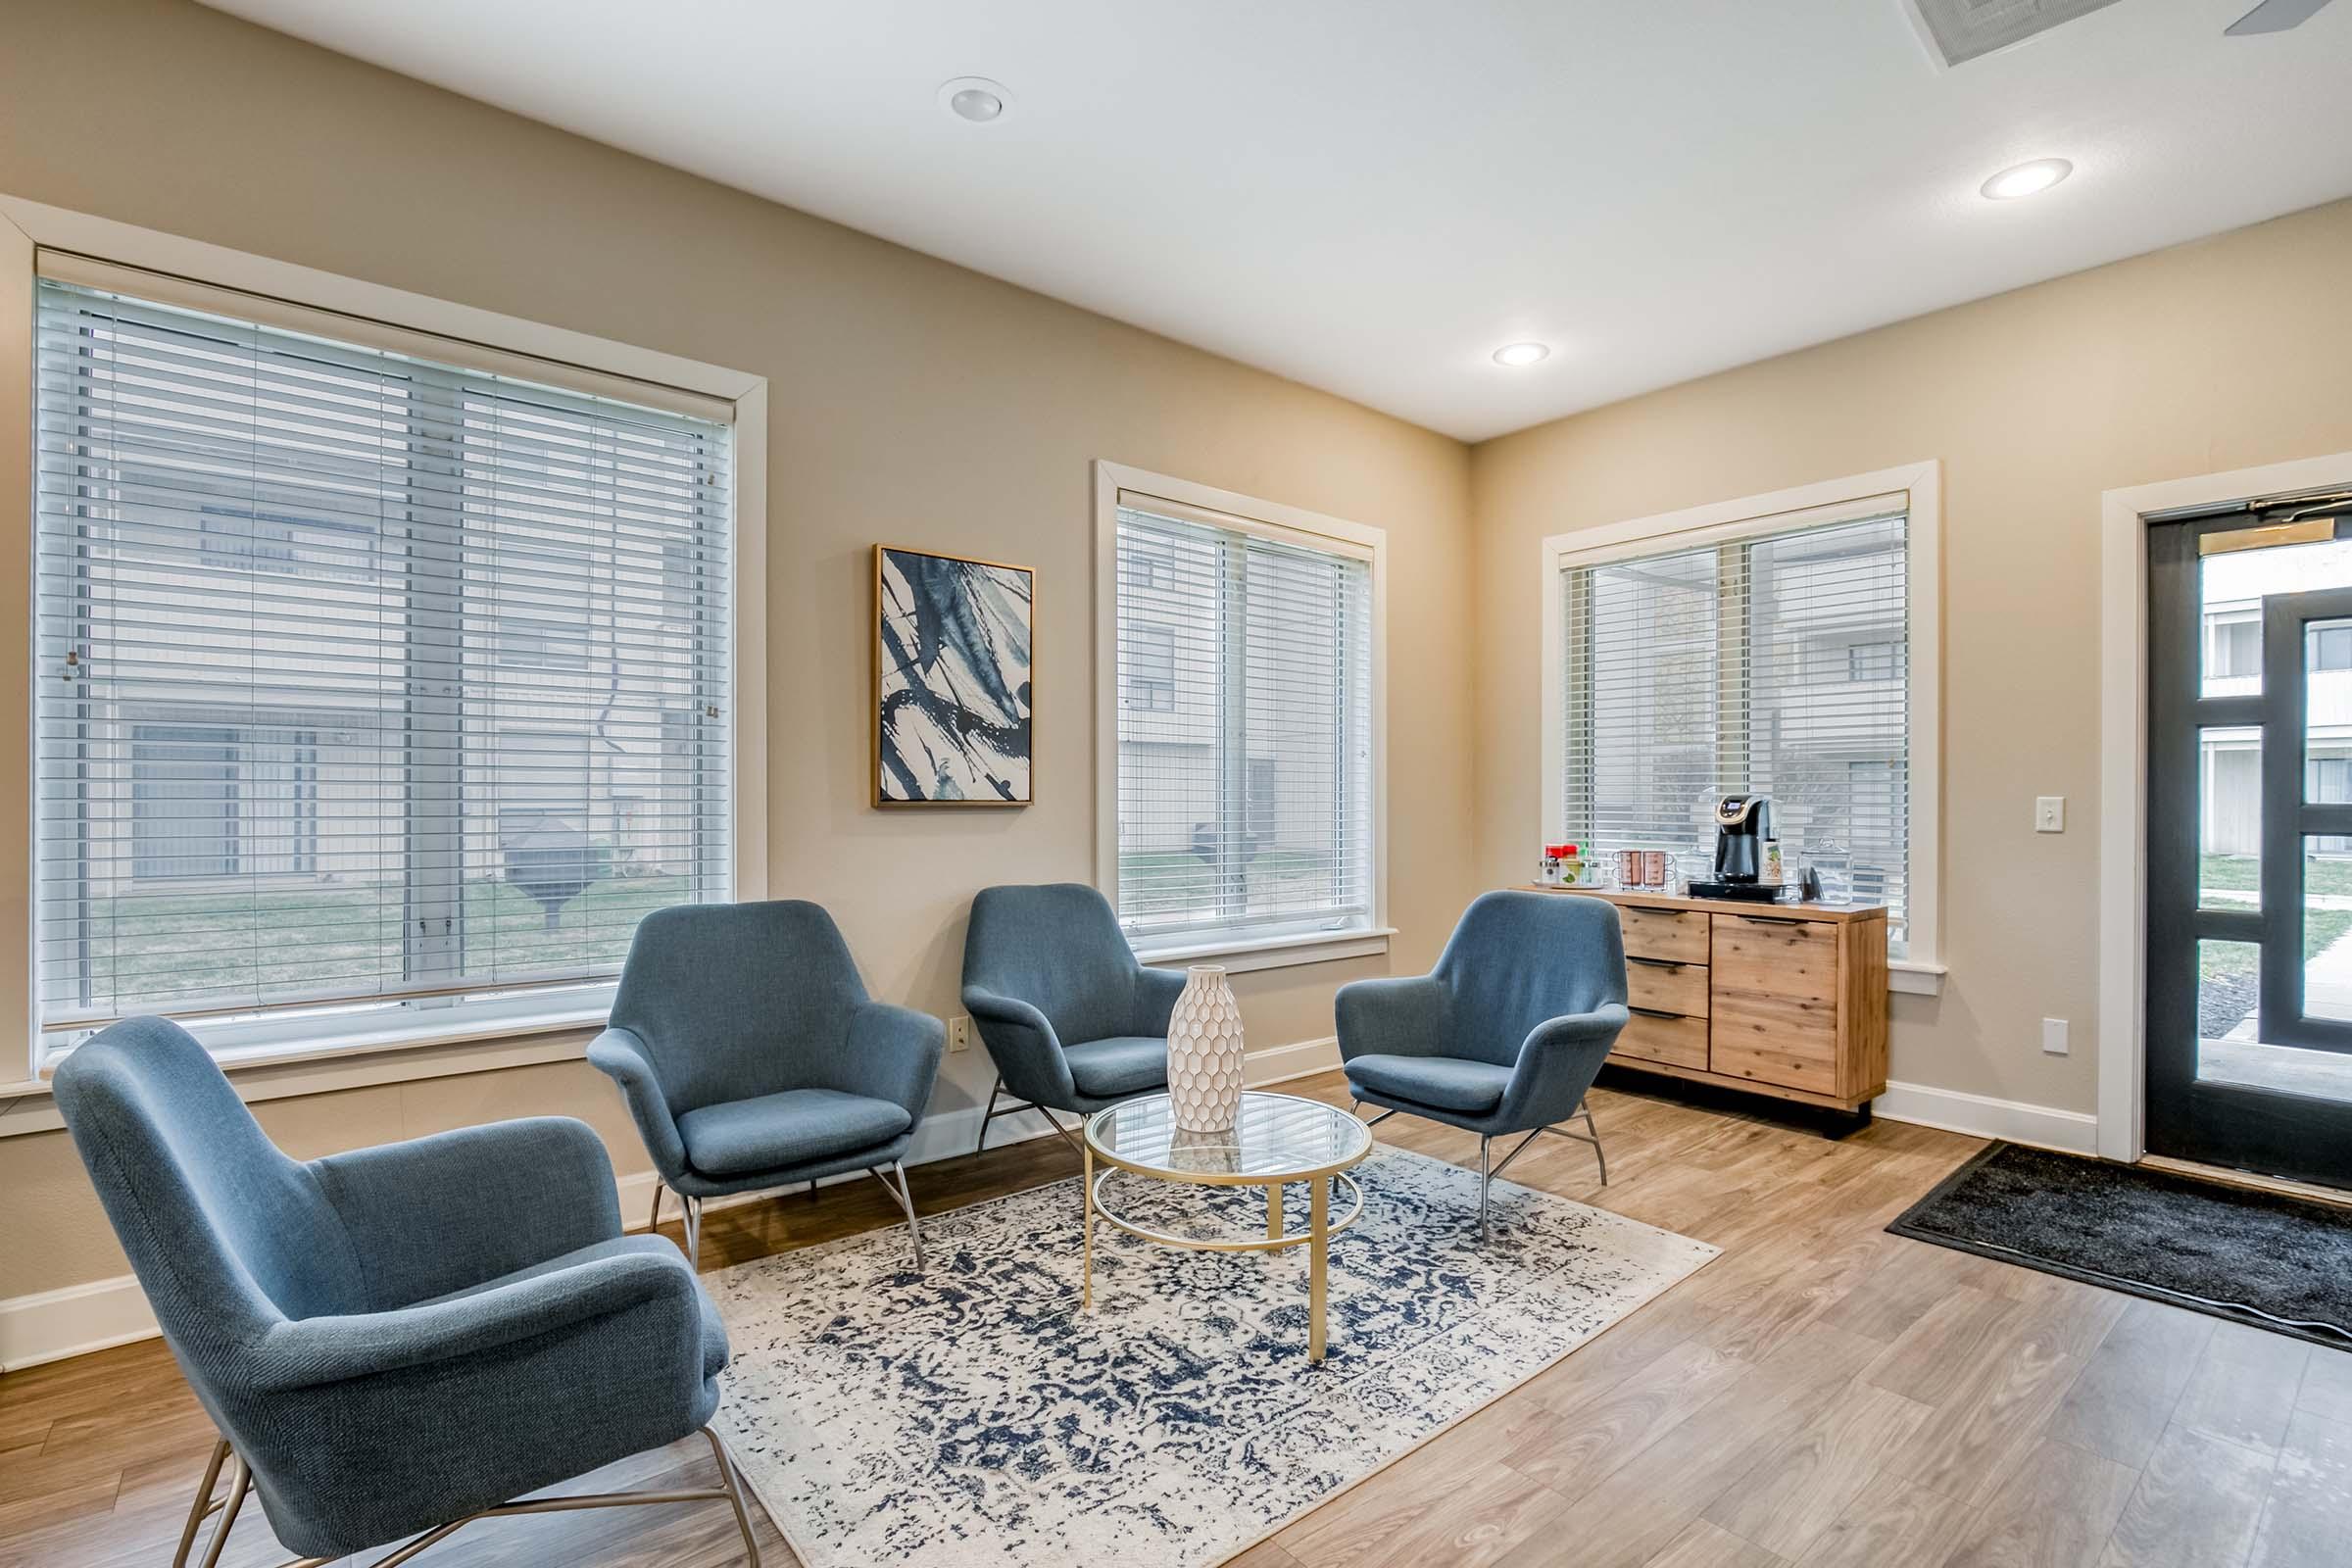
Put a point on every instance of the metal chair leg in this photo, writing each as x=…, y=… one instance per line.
x=1591, y=1134
x=1485, y=1181
x=240, y=1481
x=655, y=1223
x=992, y=1113
x=203, y=1507
x=1059, y=1131
x=1487, y=1173
x=726, y=1478
x=906, y=1197
x=989, y=1115
x=694, y=1231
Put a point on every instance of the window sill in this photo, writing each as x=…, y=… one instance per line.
x=1240, y=956
x=358, y=1060
x=1915, y=977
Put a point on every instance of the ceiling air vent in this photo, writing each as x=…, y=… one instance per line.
x=1957, y=31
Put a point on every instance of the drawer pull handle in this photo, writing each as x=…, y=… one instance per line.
x=1771, y=920
x=1654, y=1012
x=1655, y=963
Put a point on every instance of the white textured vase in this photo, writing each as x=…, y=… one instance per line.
x=1205, y=1053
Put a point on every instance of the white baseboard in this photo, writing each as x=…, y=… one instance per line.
x=1280, y=1064
x=77, y=1319
x=51, y=1325
x=2073, y=1132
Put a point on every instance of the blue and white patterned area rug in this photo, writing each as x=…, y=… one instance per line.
x=974, y=1415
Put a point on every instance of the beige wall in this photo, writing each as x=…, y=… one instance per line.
x=911, y=401
x=2219, y=355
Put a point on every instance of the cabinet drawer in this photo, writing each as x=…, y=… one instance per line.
x=1676, y=1042
x=1675, y=936
x=1788, y=1040
x=1776, y=956
x=1667, y=987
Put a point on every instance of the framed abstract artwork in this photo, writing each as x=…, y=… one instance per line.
x=955, y=642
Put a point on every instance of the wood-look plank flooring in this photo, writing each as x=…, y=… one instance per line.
x=1823, y=1396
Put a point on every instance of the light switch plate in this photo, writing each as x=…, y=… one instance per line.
x=2053, y=1037
x=959, y=1032
x=2049, y=813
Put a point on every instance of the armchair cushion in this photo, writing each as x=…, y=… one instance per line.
x=1449, y=1082
x=769, y=1132
x=1121, y=1065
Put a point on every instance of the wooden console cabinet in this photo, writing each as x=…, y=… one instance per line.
x=1788, y=999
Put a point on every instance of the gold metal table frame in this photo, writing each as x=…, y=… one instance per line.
x=1320, y=1179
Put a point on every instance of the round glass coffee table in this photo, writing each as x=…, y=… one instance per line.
x=1274, y=1139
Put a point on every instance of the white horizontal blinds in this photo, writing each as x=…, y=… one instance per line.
x=1777, y=665
x=360, y=677
x=1830, y=711
x=1244, y=729
x=1645, y=684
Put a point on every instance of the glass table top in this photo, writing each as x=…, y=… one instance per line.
x=1272, y=1136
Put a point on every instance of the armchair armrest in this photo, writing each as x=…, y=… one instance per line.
x=1021, y=1042
x=893, y=1055
x=1156, y=994
x=304, y=1352
x=437, y=1214
x=1557, y=1062
x=621, y=1056
x=1405, y=1016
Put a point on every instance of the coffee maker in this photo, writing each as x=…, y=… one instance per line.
x=1742, y=827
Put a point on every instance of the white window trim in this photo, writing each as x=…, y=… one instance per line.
x=1921, y=484
x=1271, y=517
x=549, y=1033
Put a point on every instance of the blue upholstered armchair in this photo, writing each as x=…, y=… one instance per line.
x=1071, y=1021
x=1506, y=1035
x=398, y=1340
x=751, y=1058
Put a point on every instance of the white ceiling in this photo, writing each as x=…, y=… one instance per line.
x=1370, y=196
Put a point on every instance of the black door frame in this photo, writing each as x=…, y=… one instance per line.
x=2276, y=1133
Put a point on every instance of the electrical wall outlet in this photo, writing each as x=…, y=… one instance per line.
x=959, y=1032
x=2053, y=1037
x=2049, y=813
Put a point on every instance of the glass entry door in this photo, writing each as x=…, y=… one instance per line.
x=2249, y=996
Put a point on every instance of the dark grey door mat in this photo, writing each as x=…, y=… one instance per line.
x=2263, y=1258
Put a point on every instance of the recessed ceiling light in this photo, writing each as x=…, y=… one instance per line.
x=1521, y=353
x=2026, y=179
x=976, y=99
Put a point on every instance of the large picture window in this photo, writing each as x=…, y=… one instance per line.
x=1245, y=729
x=1774, y=659
x=365, y=681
